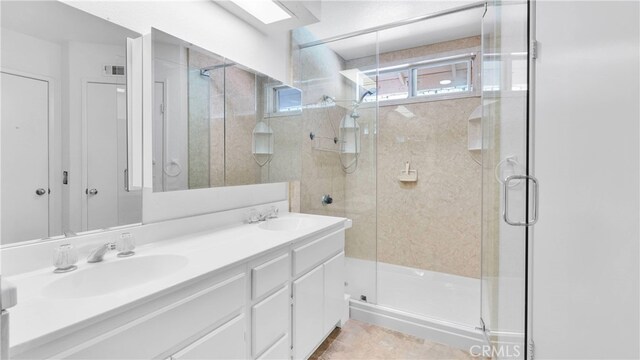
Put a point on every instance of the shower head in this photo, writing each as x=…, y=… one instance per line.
x=206, y=71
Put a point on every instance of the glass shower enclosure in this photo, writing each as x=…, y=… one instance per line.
x=416, y=130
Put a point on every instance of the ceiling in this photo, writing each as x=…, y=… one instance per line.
x=341, y=17
x=57, y=22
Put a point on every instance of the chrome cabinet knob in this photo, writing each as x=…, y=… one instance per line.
x=92, y=192
x=41, y=191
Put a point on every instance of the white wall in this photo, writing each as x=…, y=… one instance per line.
x=204, y=24
x=586, y=271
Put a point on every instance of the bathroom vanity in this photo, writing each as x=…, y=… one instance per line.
x=271, y=290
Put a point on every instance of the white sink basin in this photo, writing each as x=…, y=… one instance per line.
x=285, y=224
x=113, y=275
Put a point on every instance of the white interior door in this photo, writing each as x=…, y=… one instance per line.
x=103, y=173
x=25, y=158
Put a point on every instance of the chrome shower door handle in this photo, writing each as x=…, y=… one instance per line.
x=505, y=209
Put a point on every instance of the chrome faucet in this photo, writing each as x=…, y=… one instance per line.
x=255, y=216
x=97, y=255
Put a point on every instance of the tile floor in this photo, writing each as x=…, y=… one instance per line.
x=358, y=340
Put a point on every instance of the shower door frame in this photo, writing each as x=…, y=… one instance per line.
x=529, y=206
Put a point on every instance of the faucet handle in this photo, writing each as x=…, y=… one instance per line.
x=273, y=213
x=253, y=216
x=64, y=259
x=125, y=245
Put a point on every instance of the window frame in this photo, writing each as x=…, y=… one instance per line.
x=468, y=56
x=272, y=101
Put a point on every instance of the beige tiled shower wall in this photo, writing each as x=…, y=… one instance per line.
x=242, y=111
x=316, y=72
x=433, y=224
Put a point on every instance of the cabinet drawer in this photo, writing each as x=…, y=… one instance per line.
x=271, y=319
x=156, y=333
x=308, y=256
x=279, y=351
x=269, y=275
x=225, y=342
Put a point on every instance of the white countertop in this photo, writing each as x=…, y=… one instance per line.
x=36, y=319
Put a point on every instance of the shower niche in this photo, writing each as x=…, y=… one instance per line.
x=219, y=123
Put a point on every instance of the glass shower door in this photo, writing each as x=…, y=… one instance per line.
x=508, y=192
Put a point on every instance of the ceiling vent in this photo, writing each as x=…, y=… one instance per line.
x=113, y=70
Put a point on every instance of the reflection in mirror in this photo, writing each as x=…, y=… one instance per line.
x=64, y=122
x=218, y=123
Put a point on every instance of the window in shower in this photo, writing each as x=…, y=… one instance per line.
x=442, y=78
x=283, y=100
x=421, y=78
x=392, y=84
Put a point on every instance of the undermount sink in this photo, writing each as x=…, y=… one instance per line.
x=285, y=224
x=114, y=275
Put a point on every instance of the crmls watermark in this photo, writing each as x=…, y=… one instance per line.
x=508, y=351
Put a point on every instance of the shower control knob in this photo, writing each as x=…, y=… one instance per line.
x=41, y=192
x=327, y=199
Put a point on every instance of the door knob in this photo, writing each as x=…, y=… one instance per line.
x=41, y=192
x=92, y=192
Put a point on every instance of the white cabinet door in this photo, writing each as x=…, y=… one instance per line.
x=271, y=320
x=333, y=291
x=281, y=350
x=308, y=306
x=225, y=342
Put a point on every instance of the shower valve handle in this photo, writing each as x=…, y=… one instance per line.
x=327, y=199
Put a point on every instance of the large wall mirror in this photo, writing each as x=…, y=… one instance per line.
x=64, y=123
x=218, y=123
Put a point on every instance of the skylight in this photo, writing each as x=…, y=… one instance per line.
x=267, y=11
